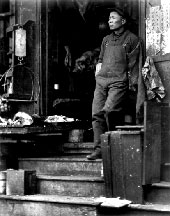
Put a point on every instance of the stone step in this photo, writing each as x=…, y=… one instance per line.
x=73, y=152
x=62, y=166
x=71, y=185
x=53, y=205
x=165, y=172
x=158, y=193
x=78, y=145
x=136, y=210
x=78, y=148
x=43, y=205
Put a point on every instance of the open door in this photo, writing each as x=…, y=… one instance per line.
x=77, y=26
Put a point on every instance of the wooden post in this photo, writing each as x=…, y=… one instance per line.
x=3, y=156
x=122, y=164
x=152, y=143
x=105, y=141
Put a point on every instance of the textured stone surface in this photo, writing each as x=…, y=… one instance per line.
x=62, y=166
x=158, y=193
x=37, y=206
x=78, y=148
x=40, y=205
x=71, y=186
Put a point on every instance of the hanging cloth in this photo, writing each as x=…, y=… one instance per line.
x=154, y=87
x=150, y=87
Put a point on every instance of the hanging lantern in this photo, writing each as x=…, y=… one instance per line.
x=20, y=42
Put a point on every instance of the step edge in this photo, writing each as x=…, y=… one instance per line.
x=78, y=147
x=77, y=151
x=162, y=184
x=151, y=207
x=79, y=143
x=90, y=201
x=70, y=178
x=165, y=164
x=65, y=159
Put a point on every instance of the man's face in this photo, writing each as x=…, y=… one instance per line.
x=115, y=21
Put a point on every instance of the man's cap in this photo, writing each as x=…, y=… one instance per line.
x=121, y=12
x=103, y=12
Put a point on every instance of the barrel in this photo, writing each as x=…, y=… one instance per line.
x=3, y=182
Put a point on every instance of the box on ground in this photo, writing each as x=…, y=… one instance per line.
x=20, y=182
x=122, y=164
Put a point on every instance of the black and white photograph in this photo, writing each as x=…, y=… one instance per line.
x=84, y=107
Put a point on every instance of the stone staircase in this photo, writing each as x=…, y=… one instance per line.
x=71, y=185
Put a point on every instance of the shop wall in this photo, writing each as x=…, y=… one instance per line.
x=27, y=15
x=158, y=39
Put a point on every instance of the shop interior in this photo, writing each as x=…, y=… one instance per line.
x=75, y=31
x=72, y=37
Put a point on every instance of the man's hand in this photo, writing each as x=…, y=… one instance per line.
x=98, y=67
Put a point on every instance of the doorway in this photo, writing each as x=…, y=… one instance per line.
x=75, y=32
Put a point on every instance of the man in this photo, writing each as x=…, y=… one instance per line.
x=112, y=77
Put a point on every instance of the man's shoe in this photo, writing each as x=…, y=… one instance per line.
x=95, y=155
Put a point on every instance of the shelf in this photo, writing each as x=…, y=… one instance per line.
x=19, y=100
x=7, y=14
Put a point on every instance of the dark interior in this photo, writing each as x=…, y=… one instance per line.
x=80, y=26
x=75, y=25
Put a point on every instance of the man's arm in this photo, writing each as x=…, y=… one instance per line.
x=99, y=64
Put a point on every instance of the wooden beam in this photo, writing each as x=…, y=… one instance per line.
x=142, y=23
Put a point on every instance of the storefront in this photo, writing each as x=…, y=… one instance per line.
x=43, y=77
x=58, y=32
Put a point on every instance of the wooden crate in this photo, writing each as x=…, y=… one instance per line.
x=132, y=155
x=122, y=159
